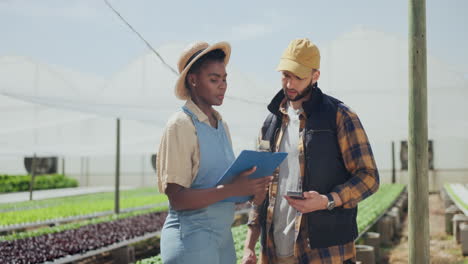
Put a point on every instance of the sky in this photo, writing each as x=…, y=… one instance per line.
x=85, y=35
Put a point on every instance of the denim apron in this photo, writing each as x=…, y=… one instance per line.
x=203, y=235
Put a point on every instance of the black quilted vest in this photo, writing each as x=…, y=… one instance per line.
x=324, y=168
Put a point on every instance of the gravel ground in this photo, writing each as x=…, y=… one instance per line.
x=443, y=249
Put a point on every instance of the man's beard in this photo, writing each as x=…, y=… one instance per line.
x=299, y=96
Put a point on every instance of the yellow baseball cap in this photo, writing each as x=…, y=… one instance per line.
x=300, y=57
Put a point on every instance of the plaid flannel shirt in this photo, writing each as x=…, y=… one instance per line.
x=359, y=161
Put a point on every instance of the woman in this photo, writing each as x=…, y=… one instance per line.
x=194, y=152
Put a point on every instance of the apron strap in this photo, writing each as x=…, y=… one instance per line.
x=189, y=113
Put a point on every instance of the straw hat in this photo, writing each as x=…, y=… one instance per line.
x=189, y=56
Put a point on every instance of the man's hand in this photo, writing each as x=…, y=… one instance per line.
x=313, y=201
x=249, y=245
x=249, y=256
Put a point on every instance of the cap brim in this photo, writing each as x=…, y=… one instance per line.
x=295, y=68
x=180, y=89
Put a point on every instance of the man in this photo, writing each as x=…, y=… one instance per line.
x=329, y=160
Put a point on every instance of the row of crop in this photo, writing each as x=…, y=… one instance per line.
x=83, y=198
x=65, y=207
x=77, y=238
x=369, y=210
x=21, y=183
x=56, y=242
x=240, y=208
x=377, y=204
x=51, y=236
x=50, y=246
x=74, y=225
x=458, y=193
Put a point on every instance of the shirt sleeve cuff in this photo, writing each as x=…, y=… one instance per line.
x=345, y=195
x=253, y=217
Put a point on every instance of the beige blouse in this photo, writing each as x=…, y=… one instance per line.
x=178, y=157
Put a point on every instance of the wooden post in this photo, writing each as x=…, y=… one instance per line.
x=418, y=238
x=63, y=166
x=33, y=176
x=87, y=171
x=117, y=169
x=143, y=163
x=393, y=163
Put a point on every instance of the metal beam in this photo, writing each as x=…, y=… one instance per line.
x=117, y=169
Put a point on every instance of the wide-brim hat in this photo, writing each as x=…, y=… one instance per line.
x=189, y=56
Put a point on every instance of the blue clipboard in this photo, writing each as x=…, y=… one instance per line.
x=266, y=163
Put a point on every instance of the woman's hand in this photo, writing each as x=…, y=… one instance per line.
x=242, y=185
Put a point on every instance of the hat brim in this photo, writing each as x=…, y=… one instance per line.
x=180, y=90
x=295, y=68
